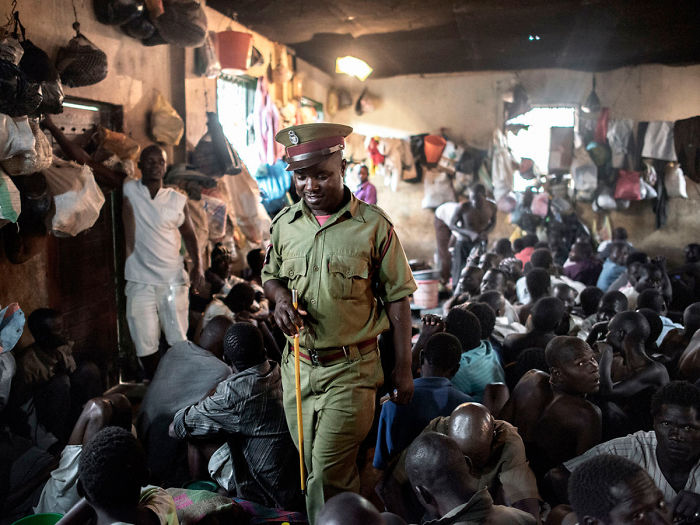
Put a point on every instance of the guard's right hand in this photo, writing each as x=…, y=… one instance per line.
x=287, y=317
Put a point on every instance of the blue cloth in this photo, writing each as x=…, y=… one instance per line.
x=667, y=326
x=274, y=182
x=400, y=424
x=477, y=368
x=609, y=274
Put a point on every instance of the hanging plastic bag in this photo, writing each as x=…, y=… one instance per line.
x=10, y=204
x=674, y=180
x=77, y=197
x=206, y=62
x=585, y=175
x=502, y=166
x=628, y=186
x=245, y=206
x=120, y=144
x=11, y=50
x=450, y=156
x=274, y=183
x=139, y=27
x=52, y=98
x=606, y=200
x=31, y=161
x=604, y=231
x=18, y=95
x=15, y=136
x=217, y=212
x=183, y=23
x=646, y=190
x=437, y=189
x=166, y=125
x=81, y=63
x=540, y=204
x=116, y=12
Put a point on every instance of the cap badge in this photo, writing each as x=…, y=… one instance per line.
x=293, y=138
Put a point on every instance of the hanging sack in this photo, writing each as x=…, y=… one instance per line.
x=16, y=136
x=646, y=190
x=674, y=180
x=183, y=23
x=116, y=12
x=540, y=204
x=502, y=170
x=120, y=144
x=81, y=63
x=77, y=197
x=139, y=27
x=585, y=175
x=450, y=156
x=18, y=95
x=33, y=160
x=437, y=189
x=166, y=125
x=206, y=62
x=606, y=200
x=628, y=186
x=10, y=204
x=11, y=50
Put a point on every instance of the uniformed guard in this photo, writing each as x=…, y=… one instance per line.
x=347, y=263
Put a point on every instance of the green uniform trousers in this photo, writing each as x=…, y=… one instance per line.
x=337, y=410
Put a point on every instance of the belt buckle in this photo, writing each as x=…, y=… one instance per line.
x=313, y=354
x=346, y=351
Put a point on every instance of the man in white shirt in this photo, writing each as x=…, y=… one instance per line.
x=155, y=221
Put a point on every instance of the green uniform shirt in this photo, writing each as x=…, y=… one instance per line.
x=335, y=268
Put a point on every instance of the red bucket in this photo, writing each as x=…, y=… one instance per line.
x=433, y=146
x=233, y=49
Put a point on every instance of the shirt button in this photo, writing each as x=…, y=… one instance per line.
x=313, y=301
x=291, y=272
x=315, y=268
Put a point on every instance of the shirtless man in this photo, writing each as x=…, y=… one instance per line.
x=470, y=223
x=689, y=362
x=545, y=316
x=626, y=402
x=551, y=412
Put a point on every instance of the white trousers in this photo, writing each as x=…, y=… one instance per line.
x=151, y=308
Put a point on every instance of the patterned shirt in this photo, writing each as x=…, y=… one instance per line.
x=247, y=409
x=640, y=448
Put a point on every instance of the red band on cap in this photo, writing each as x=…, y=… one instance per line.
x=314, y=145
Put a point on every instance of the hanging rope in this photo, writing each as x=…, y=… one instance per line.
x=76, y=24
x=11, y=17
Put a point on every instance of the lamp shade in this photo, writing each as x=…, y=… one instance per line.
x=233, y=49
x=592, y=103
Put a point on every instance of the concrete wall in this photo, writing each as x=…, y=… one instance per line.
x=469, y=106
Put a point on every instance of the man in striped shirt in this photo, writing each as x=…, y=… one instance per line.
x=670, y=453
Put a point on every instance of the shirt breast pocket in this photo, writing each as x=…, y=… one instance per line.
x=293, y=269
x=348, y=276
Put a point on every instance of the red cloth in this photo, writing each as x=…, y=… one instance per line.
x=373, y=150
x=601, y=128
x=525, y=254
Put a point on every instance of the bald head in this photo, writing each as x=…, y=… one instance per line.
x=212, y=337
x=633, y=324
x=471, y=427
x=563, y=349
x=348, y=508
x=547, y=313
x=691, y=318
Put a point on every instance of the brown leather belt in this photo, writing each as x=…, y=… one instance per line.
x=333, y=355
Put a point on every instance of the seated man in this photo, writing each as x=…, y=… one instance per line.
x=539, y=285
x=48, y=373
x=677, y=339
x=610, y=490
x=605, y=248
x=626, y=402
x=496, y=280
x=595, y=326
x=468, y=287
x=348, y=508
x=542, y=258
x=433, y=396
x=570, y=322
x=256, y=260
x=479, y=364
x=446, y=487
x=487, y=321
x=653, y=299
x=503, y=327
x=175, y=386
x=614, y=265
x=689, y=361
x=551, y=411
x=546, y=315
x=670, y=454
x=111, y=473
x=258, y=460
x=585, y=268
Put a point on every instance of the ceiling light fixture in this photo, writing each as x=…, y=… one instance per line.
x=592, y=103
x=533, y=37
x=353, y=66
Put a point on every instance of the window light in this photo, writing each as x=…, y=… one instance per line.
x=353, y=66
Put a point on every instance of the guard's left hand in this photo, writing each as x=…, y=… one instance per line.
x=686, y=507
x=403, y=385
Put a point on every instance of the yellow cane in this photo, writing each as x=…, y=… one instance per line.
x=297, y=380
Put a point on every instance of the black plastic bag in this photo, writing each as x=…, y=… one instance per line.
x=36, y=64
x=183, y=23
x=81, y=63
x=18, y=95
x=52, y=101
x=117, y=12
x=139, y=27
